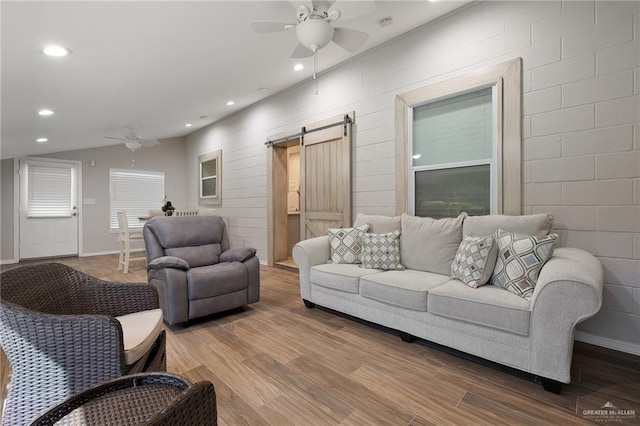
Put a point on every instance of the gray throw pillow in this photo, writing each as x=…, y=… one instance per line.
x=427, y=244
x=520, y=258
x=475, y=260
x=381, y=251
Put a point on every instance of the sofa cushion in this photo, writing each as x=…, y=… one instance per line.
x=343, y=277
x=346, y=244
x=475, y=260
x=214, y=280
x=520, y=258
x=406, y=289
x=381, y=251
x=489, y=305
x=533, y=224
x=427, y=244
x=139, y=330
x=378, y=224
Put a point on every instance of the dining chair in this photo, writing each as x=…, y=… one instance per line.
x=125, y=237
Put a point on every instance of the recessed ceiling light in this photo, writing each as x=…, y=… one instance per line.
x=56, y=51
x=229, y=103
x=298, y=67
x=41, y=140
x=188, y=125
x=45, y=112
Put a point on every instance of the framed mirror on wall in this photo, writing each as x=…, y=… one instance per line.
x=210, y=178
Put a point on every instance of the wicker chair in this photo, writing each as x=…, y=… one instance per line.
x=58, y=330
x=142, y=399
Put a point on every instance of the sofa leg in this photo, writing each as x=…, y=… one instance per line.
x=308, y=304
x=551, y=385
x=406, y=337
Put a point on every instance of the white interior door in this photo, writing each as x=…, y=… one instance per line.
x=48, y=208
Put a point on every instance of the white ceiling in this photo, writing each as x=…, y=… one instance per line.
x=155, y=65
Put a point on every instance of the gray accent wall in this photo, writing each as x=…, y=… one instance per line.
x=168, y=157
x=581, y=78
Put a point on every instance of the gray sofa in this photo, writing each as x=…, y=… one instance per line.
x=196, y=272
x=423, y=301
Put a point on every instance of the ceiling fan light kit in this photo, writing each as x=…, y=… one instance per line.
x=315, y=28
x=314, y=34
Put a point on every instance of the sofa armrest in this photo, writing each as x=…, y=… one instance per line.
x=237, y=254
x=168, y=262
x=568, y=291
x=308, y=253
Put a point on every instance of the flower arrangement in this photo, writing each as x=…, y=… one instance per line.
x=167, y=207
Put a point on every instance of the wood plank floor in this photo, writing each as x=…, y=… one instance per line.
x=277, y=363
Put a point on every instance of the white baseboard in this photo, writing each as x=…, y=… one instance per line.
x=102, y=253
x=8, y=262
x=606, y=342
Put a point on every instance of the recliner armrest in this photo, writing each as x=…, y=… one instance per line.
x=168, y=262
x=237, y=254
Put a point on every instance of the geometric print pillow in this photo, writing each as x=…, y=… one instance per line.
x=346, y=244
x=381, y=251
x=474, y=260
x=520, y=258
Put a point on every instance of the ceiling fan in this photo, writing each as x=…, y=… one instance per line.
x=134, y=141
x=314, y=26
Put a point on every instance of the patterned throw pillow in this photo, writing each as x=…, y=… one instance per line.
x=381, y=251
x=346, y=244
x=520, y=258
x=475, y=260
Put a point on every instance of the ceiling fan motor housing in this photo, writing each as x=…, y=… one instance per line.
x=314, y=34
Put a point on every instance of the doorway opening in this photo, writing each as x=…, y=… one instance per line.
x=309, y=185
x=285, y=199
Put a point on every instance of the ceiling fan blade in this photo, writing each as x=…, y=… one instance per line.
x=350, y=40
x=353, y=9
x=301, y=52
x=150, y=142
x=263, y=27
x=118, y=139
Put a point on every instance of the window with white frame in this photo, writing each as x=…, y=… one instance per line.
x=459, y=144
x=51, y=189
x=210, y=184
x=453, y=153
x=136, y=192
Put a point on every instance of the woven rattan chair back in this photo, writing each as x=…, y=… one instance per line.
x=58, y=330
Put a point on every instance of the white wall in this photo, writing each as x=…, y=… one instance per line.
x=168, y=157
x=581, y=130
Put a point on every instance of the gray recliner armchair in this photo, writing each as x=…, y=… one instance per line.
x=190, y=262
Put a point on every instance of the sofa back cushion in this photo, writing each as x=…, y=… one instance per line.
x=378, y=224
x=428, y=244
x=533, y=224
x=198, y=240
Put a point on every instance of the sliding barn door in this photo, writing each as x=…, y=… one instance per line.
x=325, y=180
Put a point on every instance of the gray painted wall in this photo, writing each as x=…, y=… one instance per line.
x=168, y=157
x=6, y=211
x=581, y=74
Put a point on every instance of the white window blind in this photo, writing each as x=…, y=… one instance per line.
x=454, y=130
x=136, y=192
x=453, y=156
x=49, y=190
